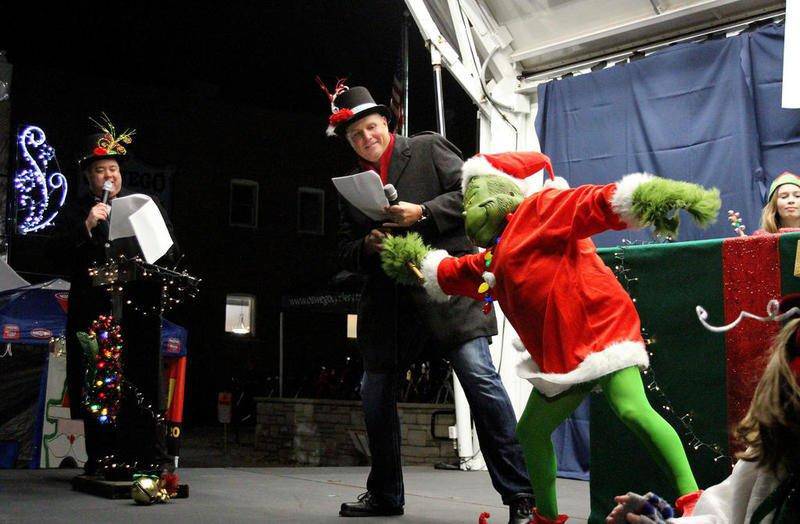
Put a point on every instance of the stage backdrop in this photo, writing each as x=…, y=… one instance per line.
x=709, y=376
x=704, y=112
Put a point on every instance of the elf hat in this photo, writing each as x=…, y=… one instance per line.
x=514, y=166
x=784, y=178
x=348, y=105
x=106, y=144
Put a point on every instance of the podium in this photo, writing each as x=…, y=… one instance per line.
x=139, y=294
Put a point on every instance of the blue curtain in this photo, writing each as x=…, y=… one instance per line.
x=778, y=129
x=703, y=112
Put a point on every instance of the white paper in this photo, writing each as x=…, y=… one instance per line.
x=791, y=56
x=365, y=191
x=137, y=215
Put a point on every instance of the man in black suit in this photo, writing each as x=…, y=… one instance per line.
x=396, y=322
x=80, y=241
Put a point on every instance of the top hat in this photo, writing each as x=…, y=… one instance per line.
x=348, y=105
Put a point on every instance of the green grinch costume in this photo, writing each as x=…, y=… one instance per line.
x=577, y=323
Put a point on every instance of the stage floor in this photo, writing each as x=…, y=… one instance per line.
x=292, y=495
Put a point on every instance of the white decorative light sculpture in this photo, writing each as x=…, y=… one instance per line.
x=39, y=189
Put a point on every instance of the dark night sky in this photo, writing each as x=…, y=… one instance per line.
x=243, y=52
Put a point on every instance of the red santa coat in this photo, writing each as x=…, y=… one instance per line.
x=572, y=315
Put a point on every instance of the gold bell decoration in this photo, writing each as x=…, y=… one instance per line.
x=148, y=489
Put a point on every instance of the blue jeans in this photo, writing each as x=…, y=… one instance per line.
x=491, y=411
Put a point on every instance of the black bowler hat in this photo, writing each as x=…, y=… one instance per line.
x=106, y=144
x=348, y=105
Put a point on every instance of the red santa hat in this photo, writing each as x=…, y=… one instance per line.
x=515, y=166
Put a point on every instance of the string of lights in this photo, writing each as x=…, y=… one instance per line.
x=684, y=420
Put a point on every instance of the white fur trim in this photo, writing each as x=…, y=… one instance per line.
x=430, y=269
x=479, y=166
x=557, y=183
x=614, y=357
x=622, y=199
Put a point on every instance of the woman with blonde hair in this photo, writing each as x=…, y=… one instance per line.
x=764, y=486
x=781, y=213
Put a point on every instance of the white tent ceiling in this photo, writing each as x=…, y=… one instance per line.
x=550, y=33
x=535, y=37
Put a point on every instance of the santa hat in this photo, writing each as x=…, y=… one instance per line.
x=515, y=166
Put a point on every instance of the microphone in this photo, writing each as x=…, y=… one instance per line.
x=391, y=194
x=108, y=185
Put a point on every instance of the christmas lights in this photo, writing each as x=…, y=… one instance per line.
x=40, y=189
x=686, y=420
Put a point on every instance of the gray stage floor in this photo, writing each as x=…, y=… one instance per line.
x=292, y=495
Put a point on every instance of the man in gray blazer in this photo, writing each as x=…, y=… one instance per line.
x=395, y=322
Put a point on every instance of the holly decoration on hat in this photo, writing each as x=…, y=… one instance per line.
x=111, y=143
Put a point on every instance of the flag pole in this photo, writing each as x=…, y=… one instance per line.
x=404, y=38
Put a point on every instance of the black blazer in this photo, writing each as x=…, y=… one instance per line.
x=395, y=322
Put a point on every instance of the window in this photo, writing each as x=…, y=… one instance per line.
x=240, y=313
x=310, y=210
x=352, y=323
x=244, y=203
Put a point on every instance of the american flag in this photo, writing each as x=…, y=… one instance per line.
x=396, y=101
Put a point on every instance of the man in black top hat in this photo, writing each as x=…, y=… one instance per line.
x=80, y=240
x=396, y=322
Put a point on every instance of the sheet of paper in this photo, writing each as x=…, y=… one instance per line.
x=365, y=191
x=137, y=215
x=151, y=232
x=121, y=210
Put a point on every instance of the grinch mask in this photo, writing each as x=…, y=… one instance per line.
x=487, y=201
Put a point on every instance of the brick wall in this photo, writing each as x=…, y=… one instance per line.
x=315, y=432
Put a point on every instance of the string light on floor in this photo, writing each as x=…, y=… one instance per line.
x=684, y=420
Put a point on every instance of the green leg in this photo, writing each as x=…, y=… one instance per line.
x=542, y=415
x=625, y=392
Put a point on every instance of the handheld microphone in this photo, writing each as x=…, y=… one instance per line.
x=108, y=185
x=391, y=194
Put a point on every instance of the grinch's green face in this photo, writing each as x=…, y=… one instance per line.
x=487, y=201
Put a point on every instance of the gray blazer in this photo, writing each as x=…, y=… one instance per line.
x=395, y=322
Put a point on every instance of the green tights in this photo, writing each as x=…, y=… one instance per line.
x=624, y=391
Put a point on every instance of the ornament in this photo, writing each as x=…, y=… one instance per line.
x=736, y=222
x=147, y=489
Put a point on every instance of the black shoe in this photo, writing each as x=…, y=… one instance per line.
x=520, y=510
x=368, y=506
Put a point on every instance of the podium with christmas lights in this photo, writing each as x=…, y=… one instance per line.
x=702, y=382
x=128, y=373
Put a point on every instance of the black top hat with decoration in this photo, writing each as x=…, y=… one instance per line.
x=105, y=144
x=348, y=105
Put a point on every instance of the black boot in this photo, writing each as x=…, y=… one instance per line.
x=368, y=506
x=520, y=510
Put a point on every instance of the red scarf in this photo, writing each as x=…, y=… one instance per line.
x=382, y=166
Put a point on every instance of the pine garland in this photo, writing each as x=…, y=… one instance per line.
x=102, y=349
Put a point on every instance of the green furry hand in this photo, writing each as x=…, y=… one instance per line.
x=657, y=201
x=397, y=252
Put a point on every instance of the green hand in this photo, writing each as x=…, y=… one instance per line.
x=657, y=201
x=398, y=252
